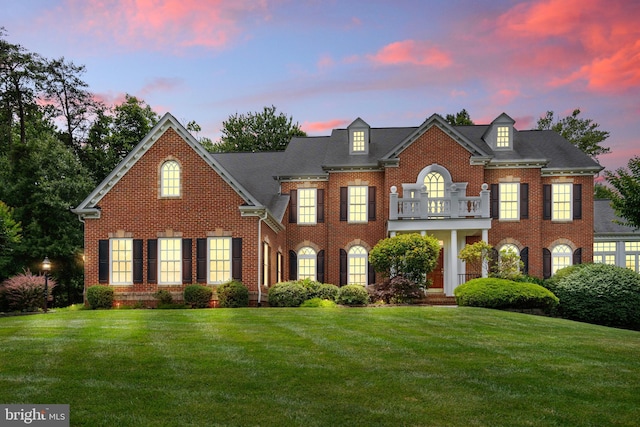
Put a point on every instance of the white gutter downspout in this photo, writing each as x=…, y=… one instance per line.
x=260, y=266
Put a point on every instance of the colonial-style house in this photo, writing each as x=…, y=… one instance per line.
x=172, y=214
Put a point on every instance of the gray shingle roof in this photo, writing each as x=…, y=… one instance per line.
x=604, y=219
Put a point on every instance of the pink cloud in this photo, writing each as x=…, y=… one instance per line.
x=416, y=52
x=160, y=84
x=504, y=96
x=325, y=62
x=323, y=127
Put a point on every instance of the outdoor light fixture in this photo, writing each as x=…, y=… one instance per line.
x=46, y=267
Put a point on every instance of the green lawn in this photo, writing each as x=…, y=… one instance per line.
x=394, y=366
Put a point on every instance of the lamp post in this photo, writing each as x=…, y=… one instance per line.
x=46, y=266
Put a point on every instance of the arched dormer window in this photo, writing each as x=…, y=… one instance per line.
x=170, y=179
x=434, y=181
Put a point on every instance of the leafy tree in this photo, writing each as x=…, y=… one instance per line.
x=259, y=131
x=412, y=256
x=476, y=256
x=10, y=236
x=509, y=265
x=461, y=118
x=601, y=191
x=583, y=133
x=626, y=199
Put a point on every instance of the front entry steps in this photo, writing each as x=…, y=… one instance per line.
x=439, y=298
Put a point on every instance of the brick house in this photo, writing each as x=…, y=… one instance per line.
x=172, y=214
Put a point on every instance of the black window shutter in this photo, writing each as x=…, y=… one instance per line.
x=320, y=196
x=236, y=258
x=343, y=267
x=524, y=201
x=372, y=274
x=546, y=263
x=493, y=259
x=577, y=256
x=137, y=261
x=546, y=204
x=293, y=206
x=372, y=204
x=186, y=261
x=293, y=265
x=344, y=198
x=201, y=260
x=320, y=267
x=577, y=201
x=524, y=257
x=103, y=261
x=495, y=201
x=152, y=261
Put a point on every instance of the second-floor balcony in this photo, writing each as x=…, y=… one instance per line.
x=417, y=205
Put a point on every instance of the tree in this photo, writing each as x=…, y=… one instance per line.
x=583, y=133
x=476, y=256
x=626, y=199
x=601, y=191
x=461, y=118
x=412, y=256
x=264, y=131
x=10, y=236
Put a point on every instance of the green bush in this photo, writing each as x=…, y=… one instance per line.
x=288, y=294
x=233, y=294
x=163, y=296
x=318, y=302
x=553, y=281
x=398, y=290
x=601, y=294
x=319, y=290
x=352, y=295
x=502, y=293
x=197, y=296
x=100, y=296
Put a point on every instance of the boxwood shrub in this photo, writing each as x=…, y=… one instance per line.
x=318, y=302
x=198, y=296
x=602, y=294
x=352, y=295
x=233, y=294
x=503, y=294
x=320, y=290
x=287, y=294
x=100, y=296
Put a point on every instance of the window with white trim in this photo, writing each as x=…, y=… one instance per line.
x=219, y=259
x=561, y=201
x=307, y=258
x=306, y=206
x=632, y=255
x=170, y=261
x=434, y=182
x=265, y=263
x=121, y=264
x=357, y=266
x=279, y=267
x=170, y=179
x=561, y=257
x=604, y=252
x=502, y=140
x=358, y=203
x=358, y=141
x=509, y=200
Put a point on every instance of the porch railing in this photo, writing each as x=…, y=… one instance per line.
x=421, y=206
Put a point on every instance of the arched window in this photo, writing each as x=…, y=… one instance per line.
x=434, y=181
x=560, y=258
x=307, y=263
x=170, y=179
x=509, y=259
x=357, y=266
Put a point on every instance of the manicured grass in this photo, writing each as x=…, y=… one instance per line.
x=413, y=366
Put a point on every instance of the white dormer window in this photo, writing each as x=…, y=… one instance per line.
x=358, y=141
x=503, y=137
x=359, y=134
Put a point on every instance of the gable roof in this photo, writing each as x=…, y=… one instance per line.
x=605, y=220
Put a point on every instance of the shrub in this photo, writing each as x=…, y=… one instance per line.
x=197, y=296
x=398, y=290
x=352, y=295
x=601, y=294
x=24, y=291
x=163, y=296
x=287, y=294
x=502, y=293
x=100, y=296
x=233, y=294
x=318, y=302
x=319, y=290
x=553, y=281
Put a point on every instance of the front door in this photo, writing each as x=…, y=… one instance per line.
x=437, y=275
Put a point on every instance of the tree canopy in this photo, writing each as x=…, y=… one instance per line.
x=626, y=197
x=583, y=133
x=461, y=118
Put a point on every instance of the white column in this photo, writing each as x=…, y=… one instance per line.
x=452, y=281
x=485, y=238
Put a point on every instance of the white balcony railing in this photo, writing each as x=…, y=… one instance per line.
x=421, y=206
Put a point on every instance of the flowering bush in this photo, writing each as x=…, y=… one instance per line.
x=25, y=291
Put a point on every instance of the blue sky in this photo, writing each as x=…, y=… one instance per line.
x=325, y=63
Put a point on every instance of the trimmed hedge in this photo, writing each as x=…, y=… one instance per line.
x=198, y=296
x=287, y=294
x=100, y=296
x=318, y=302
x=233, y=294
x=503, y=294
x=352, y=295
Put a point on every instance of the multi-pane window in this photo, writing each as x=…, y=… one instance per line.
x=170, y=179
x=219, y=259
x=307, y=263
x=503, y=137
x=509, y=200
x=265, y=264
x=358, y=203
x=170, y=264
x=560, y=258
x=307, y=206
x=357, y=266
x=561, y=202
x=632, y=255
x=604, y=252
x=435, y=184
x=278, y=267
x=121, y=261
x=358, y=141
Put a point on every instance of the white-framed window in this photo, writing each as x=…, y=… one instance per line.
x=503, y=137
x=307, y=205
x=358, y=141
x=279, y=261
x=170, y=179
x=265, y=263
x=632, y=255
x=307, y=259
x=358, y=203
x=357, y=266
x=170, y=261
x=219, y=259
x=434, y=181
x=604, y=252
x=509, y=200
x=121, y=264
x=561, y=257
x=561, y=198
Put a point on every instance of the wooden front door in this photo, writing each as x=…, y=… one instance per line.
x=437, y=275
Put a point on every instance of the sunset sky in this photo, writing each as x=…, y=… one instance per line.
x=325, y=63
